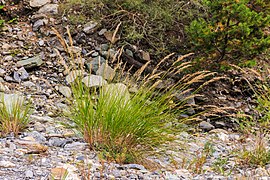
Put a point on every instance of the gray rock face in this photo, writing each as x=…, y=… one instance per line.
x=41, y=22
x=38, y=3
x=94, y=80
x=90, y=27
x=206, y=126
x=117, y=90
x=65, y=91
x=29, y=174
x=37, y=136
x=49, y=9
x=21, y=75
x=2, y=72
x=73, y=75
x=106, y=72
x=95, y=63
x=31, y=62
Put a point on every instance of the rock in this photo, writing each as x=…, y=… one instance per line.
x=29, y=174
x=2, y=88
x=129, y=52
x=38, y=3
x=117, y=90
x=101, y=32
x=9, y=79
x=94, y=80
x=6, y=164
x=23, y=74
x=206, y=126
x=2, y=72
x=90, y=27
x=111, y=53
x=6, y=46
x=16, y=77
x=31, y=146
x=39, y=127
x=135, y=166
x=49, y=9
x=95, y=54
x=63, y=108
x=41, y=119
x=145, y=55
x=104, y=47
x=183, y=173
x=31, y=62
x=95, y=63
x=28, y=84
x=37, y=136
x=41, y=43
x=66, y=91
x=8, y=58
x=57, y=142
x=76, y=146
x=73, y=75
x=41, y=22
x=106, y=71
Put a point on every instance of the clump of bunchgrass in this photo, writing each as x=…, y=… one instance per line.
x=124, y=124
x=14, y=114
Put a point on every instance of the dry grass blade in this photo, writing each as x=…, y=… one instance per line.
x=181, y=58
x=114, y=39
x=61, y=39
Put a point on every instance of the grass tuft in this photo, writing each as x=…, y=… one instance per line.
x=13, y=114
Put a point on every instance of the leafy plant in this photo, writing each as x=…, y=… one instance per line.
x=232, y=30
x=14, y=114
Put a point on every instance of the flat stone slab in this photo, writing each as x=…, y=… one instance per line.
x=31, y=62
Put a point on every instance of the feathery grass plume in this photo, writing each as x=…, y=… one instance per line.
x=14, y=114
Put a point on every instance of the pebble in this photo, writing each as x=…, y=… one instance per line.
x=206, y=126
x=29, y=174
x=49, y=9
x=94, y=80
x=2, y=72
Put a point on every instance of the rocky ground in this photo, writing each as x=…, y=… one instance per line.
x=29, y=66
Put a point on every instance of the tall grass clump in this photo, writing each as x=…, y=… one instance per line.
x=123, y=124
x=14, y=114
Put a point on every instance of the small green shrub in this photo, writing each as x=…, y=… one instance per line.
x=232, y=30
x=14, y=114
